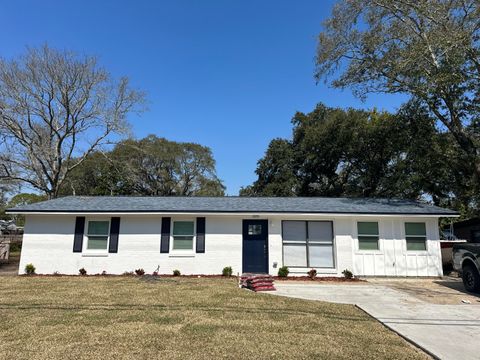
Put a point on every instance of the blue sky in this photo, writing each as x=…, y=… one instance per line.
x=225, y=74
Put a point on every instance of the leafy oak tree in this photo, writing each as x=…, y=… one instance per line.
x=151, y=166
x=358, y=153
x=275, y=171
x=23, y=199
x=429, y=50
x=156, y=166
x=97, y=175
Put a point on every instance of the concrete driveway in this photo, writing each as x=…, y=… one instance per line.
x=444, y=331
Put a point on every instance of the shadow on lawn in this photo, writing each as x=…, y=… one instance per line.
x=157, y=307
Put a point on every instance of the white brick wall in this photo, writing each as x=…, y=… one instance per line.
x=48, y=244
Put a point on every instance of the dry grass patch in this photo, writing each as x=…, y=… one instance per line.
x=125, y=318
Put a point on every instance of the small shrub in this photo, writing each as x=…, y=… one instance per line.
x=140, y=272
x=176, y=272
x=347, y=274
x=15, y=247
x=155, y=273
x=283, y=271
x=128, y=273
x=312, y=274
x=56, y=273
x=82, y=271
x=227, y=271
x=29, y=269
x=104, y=273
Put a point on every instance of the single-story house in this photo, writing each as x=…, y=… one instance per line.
x=202, y=235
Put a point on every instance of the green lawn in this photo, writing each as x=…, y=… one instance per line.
x=185, y=318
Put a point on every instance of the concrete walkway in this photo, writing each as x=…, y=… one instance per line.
x=445, y=331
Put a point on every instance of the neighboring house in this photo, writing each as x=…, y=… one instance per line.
x=468, y=230
x=202, y=235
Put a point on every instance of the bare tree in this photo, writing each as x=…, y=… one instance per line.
x=56, y=108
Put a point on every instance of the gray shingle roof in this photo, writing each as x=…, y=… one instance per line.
x=120, y=204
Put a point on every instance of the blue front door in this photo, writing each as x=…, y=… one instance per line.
x=255, y=246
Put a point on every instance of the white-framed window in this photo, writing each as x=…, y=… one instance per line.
x=368, y=235
x=308, y=244
x=98, y=232
x=416, y=236
x=183, y=235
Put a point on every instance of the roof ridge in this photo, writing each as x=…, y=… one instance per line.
x=241, y=197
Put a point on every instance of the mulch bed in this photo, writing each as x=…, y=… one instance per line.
x=131, y=275
x=276, y=278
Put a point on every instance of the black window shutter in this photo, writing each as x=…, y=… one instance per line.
x=78, y=238
x=114, y=230
x=165, y=238
x=200, y=234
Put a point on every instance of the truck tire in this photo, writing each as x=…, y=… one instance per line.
x=471, y=278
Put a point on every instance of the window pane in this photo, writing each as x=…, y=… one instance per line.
x=412, y=229
x=416, y=244
x=320, y=230
x=183, y=243
x=294, y=255
x=320, y=256
x=254, y=229
x=294, y=231
x=367, y=228
x=368, y=243
x=183, y=228
x=98, y=228
x=97, y=242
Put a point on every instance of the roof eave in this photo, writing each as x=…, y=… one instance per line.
x=213, y=212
